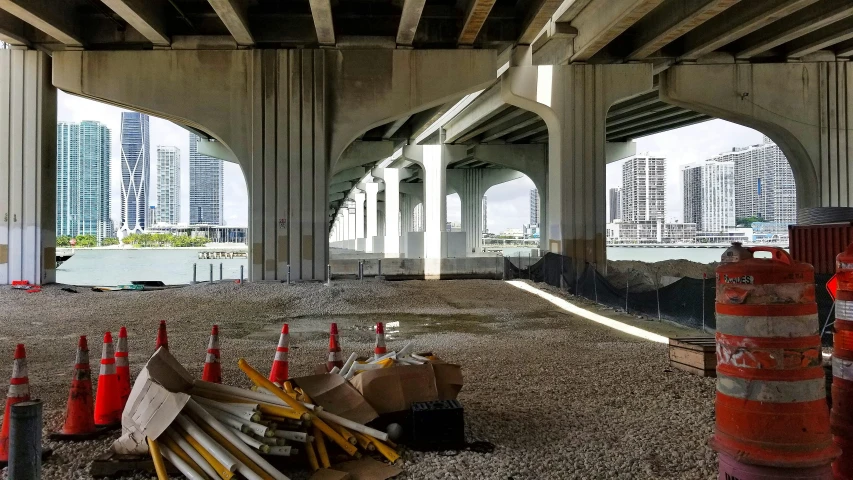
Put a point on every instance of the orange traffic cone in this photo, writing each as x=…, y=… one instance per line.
x=79, y=414
x=122, y=367
x=19, y=391
x=380, y=348
x=212, y=369
x=108, y=401
x=336, y=358
x=279, y=371
x=162, y=338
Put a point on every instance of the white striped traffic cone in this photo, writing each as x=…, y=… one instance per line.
x=280, y=364
x=19, y=391
x=212, y=368
x=380, y=348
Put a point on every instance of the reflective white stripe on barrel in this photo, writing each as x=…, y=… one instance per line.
x=844, y=310
x=19, y=368
x=121, y=361
x=18, y=390
x=108, y=369
x=281, y=356
x=213, y=343
x=842, y=369
x=122, y=345
x=211, y=358
x=772, y=391
x=283, y=340
x=765, y=327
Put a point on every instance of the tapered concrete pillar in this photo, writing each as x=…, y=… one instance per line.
x=359, y=198
x=805, y=108
x=371, y=190
x=286, y=116
x=574, y=100
x=396, y=220
x=351, y=224
x=27, y=168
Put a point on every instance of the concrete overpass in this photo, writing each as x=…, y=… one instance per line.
x=320, y=102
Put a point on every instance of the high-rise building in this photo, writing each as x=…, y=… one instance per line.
x=168, y=185
x=135, y=171
x=534, y=207
x=206, y=181
x=485, y=214
x=764, y=183
x=709, y=195
x=83, y=180
x=644, y=189
x=615, y=204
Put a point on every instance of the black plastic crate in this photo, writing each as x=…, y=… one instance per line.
x=438, y=425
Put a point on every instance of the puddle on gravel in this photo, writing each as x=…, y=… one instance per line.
x=396, y=325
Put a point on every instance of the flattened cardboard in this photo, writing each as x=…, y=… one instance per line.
x=157, y=396
x=337, y=396
x=368, y=469
x=395, y=389
x=330, y=474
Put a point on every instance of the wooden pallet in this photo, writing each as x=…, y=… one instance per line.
x=696, y=355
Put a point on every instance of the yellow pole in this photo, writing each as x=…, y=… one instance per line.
x=385, y=450
x=262, y=381
x=345, y=433
x=171, y=445
x=364, y=442
x=276, y=411
x=322, y=453
x=223, y=472
x=232, y=449
x=312, y=457
x=159, y=466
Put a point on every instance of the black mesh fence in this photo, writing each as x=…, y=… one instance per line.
x=687, y=301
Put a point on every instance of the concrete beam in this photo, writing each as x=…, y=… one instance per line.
x=510, y=114
x=657, y=108
x=821, y=39
x=409, y=19
x=742, y=19
x=793, y=27
x=532, y=130
x=350, y=174
x=321, y=11
x=693, y=120
x=363, y=153
x=659, y=117
x=233, y=14
x=615, y=151
x=484, y=108
x=603, y=20
x=670, y=21
x=555, y=45
x=844, y=49
x=475, y=17
x=146, y=16
x=12, y=30
x=570, y=9
x=340, y=187
x=537, y=17
x=394, y=126
x=53, y=18
x=336, y=196
x=505, y=130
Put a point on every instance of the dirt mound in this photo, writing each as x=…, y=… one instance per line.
x=642, y=276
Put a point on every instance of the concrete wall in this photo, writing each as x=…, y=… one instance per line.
x=27, y=168
x=413, y=268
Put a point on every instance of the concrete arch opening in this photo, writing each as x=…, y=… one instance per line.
x=136, y=199
x=511, y=217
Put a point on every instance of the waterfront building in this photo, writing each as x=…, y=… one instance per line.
x=709, y=195
x=644, y=189
x=206, y=185
x=135, y=172
x=168, y=185
x=615, y=195
x=534, y=207
x=83, y=180
x=764, y=183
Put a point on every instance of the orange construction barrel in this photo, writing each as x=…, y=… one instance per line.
x=842, y=367
x=771, y=396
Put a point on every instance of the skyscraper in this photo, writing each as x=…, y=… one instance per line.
x=615, y=204
x=485, y=214
x=168, y=185
x=644, y=189
x=534, y=207
x=135, y=171
x=709, y=195
x=83, y=180
x=206, y=181
x=764, y=183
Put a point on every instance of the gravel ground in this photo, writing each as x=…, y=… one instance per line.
x=558, y=396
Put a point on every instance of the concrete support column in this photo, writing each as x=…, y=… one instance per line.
x=407, y=209
x=351, y=225
x=371, y=190
x=359, y=198
x=391, y=244
x=574, y=100
x=805, y=108
x=27, y=168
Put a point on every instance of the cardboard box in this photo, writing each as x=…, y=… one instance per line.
x=337, y=396
x=394, y=389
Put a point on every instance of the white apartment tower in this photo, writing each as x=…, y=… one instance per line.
x=764, y=183
x=534, y=207
x=709, y=195
x=644, y=189
x=615, y=204
x=168, y=185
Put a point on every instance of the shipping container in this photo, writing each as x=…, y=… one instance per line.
x=819, y=244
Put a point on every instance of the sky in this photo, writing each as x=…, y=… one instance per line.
x=508, y=204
